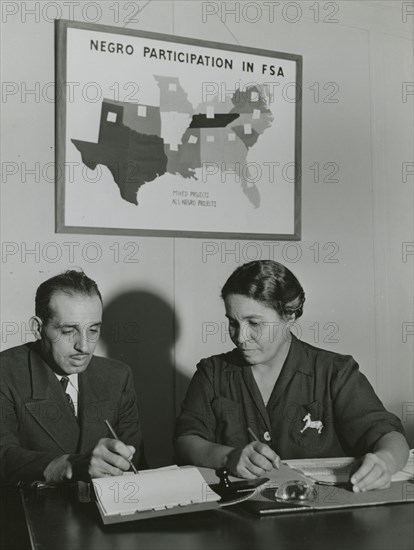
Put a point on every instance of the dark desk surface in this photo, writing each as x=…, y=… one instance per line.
x=57, y=520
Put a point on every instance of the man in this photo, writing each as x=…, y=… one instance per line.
x=55, y=395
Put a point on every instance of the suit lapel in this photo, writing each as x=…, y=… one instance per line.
x=49, y=406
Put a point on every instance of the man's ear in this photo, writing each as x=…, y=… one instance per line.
x=36, y=324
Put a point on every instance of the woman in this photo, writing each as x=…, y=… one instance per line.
x=299, y=401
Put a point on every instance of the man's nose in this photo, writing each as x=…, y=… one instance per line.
x=81, y=343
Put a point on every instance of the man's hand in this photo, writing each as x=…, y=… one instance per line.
x=252, y=461
x=110, y=457
x=374, y=473
x=60, y=469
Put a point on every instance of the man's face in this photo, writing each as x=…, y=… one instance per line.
x=69, y=338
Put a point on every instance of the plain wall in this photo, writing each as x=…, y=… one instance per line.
x=162, y=310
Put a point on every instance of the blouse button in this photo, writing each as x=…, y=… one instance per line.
x=267, y=436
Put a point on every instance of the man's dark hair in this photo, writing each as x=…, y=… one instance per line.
x=270, y=283
x=70, y=282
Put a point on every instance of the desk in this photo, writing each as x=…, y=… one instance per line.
x=57, y=520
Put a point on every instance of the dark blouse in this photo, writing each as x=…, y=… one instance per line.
x=223, y=400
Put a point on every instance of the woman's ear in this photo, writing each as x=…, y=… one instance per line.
x=36, y=324
x=289, y=318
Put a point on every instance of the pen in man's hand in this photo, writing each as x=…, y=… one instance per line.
x=110, y=428
x=275, y=463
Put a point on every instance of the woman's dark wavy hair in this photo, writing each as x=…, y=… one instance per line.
x=70, y=282
x=270, y=283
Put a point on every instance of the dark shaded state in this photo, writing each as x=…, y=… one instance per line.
x=132, y=158
x=220, y=120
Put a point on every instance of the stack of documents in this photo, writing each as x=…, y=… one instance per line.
x=339, y=470
x=152, y=493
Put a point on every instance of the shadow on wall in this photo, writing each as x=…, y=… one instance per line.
x=140, y=329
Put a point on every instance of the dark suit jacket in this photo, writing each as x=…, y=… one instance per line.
x=37, y=425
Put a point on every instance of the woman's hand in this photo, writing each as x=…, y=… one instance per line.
x=252, y=461
x=374, y=473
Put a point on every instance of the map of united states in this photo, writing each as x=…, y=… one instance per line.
x=139, y=143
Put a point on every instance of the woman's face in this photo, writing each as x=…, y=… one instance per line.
x=256, y=330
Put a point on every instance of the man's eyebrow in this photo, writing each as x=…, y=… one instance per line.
x=252, y=316
x=75, y=325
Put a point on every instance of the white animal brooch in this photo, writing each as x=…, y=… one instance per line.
x=309, y=423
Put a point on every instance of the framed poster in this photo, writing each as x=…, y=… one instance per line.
x=160, y=135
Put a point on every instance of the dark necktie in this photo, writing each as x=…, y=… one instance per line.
x=64, y=382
